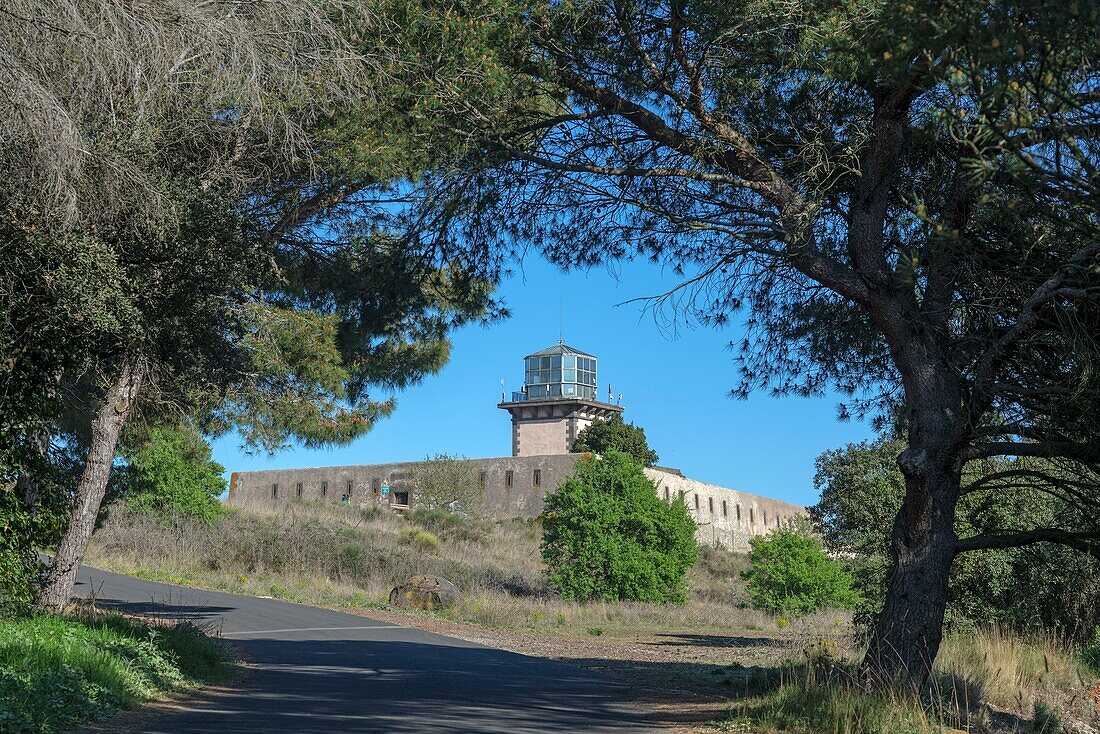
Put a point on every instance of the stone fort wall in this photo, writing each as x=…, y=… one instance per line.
x=514, y=486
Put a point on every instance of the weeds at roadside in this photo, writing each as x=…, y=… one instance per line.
x=56, y=671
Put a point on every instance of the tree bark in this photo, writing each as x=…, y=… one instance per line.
x=106, y=426
x=908, y=631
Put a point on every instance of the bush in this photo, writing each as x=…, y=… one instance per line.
x=789, y=573
x=171, y=473
x=419, y=537
x=607, y=535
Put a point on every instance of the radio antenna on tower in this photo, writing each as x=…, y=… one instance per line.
x=561, y=320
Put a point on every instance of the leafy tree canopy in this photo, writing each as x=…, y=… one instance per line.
x=607, y=535
x=236, y=240
x=614, y=434
x=1044, y=587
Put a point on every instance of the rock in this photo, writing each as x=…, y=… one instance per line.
x=425, y=592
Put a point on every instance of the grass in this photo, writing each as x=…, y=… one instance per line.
x=57, y=671
x=343, y=557
x=1012, y=672
x=988, y=680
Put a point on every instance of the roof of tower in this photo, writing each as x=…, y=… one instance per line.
x=560, y=348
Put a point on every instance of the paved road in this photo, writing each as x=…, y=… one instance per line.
x=324, y=671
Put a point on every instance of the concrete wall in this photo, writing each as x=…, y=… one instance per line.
x=540, y=437
x=725, y=517
x=550, y=425
x=521, y=499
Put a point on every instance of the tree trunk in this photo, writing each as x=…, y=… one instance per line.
x=106, y=427
x=908, y=631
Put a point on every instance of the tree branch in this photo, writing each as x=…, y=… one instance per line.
x=1088, y=453
x=1087, y=542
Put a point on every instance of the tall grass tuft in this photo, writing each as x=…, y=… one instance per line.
x=1012, y=671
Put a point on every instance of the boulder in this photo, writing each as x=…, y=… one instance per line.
x=425, y=592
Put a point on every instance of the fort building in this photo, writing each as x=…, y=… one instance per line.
x=558, y=400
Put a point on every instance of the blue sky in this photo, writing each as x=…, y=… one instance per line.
x=674, y=384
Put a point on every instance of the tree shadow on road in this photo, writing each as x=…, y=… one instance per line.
x=349, y=685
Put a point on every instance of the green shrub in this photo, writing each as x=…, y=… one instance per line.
x=425, y=540
x=789, y=573
x=171, y=473
x=18, y=574
x=23, y=531
x=607, y=535
x=418, y=537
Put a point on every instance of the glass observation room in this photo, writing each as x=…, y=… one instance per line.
x=559, y=371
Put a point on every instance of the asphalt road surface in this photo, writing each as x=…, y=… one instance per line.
x=317, y=670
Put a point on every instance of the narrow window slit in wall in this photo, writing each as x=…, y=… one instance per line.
x=324, y=489
x=274, y=491
x=537, y=477
x=725, y=510
x=298, y=490
x=508, y=479
x=696, y=501
x=710, y=504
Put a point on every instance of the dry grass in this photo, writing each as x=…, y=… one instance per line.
x=1014, y=673
x=985, y=681
x=349, y=558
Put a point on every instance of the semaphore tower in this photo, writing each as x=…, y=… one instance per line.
x=557, y=401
